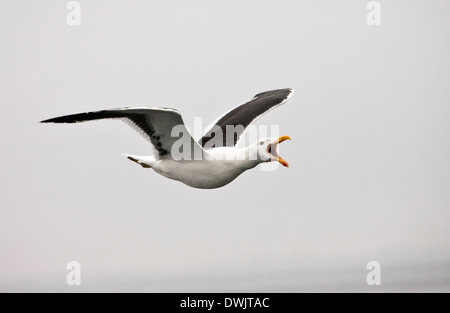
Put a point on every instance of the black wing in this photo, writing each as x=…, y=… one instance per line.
x=155, y=124
x=242, y=116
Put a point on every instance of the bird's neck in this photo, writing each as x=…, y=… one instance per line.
x=247, y=158
x=239, y=158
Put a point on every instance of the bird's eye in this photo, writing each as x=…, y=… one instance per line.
x=261, y=143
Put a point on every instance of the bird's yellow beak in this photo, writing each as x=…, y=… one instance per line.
x=283, y=138
x=274, y=152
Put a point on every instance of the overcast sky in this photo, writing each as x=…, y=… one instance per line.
x=370, y=171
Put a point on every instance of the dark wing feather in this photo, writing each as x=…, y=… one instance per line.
x=155, y=124
x=244, y=115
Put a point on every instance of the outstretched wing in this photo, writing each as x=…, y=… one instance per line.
x=162, y=127
x=242, y=116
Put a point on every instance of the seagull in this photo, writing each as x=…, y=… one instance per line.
x=212, y=162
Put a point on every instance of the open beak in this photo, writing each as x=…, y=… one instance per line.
x=272, y=150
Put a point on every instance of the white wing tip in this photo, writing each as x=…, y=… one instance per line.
x=291, y=93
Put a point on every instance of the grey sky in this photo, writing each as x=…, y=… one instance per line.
x=369, y=176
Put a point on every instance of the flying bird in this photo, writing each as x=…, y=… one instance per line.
x=212, y=162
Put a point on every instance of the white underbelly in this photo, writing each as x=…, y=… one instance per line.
x=199, y=174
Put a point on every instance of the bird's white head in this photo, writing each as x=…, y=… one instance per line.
x=267, y=150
